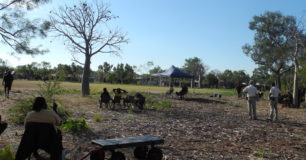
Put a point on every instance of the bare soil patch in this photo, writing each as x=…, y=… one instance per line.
x=199, y=127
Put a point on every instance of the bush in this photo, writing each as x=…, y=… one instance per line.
x=75, y=125
x=160, y=105
x=303, y=105
x=6, y=154
x=97, y=118
x=163, y=104
x=19, y=111
x=48, y=89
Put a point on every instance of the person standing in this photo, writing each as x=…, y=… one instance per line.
x=273, y=97
x=252, y=95
x=7, y=83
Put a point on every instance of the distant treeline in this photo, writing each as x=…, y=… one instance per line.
x=126, y=74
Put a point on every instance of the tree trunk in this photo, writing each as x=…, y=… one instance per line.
x=295, y=93
x=278, y=81
x=85, y=78
x=199, y=81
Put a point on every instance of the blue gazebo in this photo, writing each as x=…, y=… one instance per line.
x=172, y=72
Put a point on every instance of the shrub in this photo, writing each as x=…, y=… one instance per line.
x=97, y=118
x=48, y=89
x=75, y=125
x=303, y=105
x=22, y=106
x=19, y=111
x=163, y=104
x=6, y=154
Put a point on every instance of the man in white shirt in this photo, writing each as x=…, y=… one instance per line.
x=273, y=97
x=252, y=95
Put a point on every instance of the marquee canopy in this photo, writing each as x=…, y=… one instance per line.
x=173, y=72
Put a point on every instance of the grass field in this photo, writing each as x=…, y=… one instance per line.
x=97, y=88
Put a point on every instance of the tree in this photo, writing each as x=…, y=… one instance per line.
x=86, y=31
x=104, y=71
x=297, y=39
x=240, y=77
x=156, y=69
x=261, y=75
x=212, y=80
x=123, y=73
x=226, y=79
x=271, y=42
x=16, y=30
x=195, y=67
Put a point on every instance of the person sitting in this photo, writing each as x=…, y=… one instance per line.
x=139, y=100
x=105, y=98
x=3, y=126
x=118, y=94
x=41, y=132
x=170, y=91
x=182, y=92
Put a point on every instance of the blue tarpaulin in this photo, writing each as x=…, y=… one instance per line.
x=173, y=72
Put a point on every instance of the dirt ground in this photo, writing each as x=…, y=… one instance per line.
x=199, y=127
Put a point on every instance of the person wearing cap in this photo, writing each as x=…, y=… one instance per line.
x=252, y=95
x=273, y=97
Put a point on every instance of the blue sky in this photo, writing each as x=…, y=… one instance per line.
x=169, y=31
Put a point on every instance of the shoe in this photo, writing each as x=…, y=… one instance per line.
x=255, y=118
x=268, y=119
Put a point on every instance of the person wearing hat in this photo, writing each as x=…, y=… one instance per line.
x=273, y=97
x=252, y=95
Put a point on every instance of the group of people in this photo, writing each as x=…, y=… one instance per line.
x=138, y=99
x=253, y=95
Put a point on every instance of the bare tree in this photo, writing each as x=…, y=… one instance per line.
x=86, y=31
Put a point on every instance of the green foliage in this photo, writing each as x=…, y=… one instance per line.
x=22, y=106
x=69, y=91
x=48, y=89
x=6, y=154
x=263, y=153
x=163, y=104
x=97, y=118
x=303, y=105
x=159, y=105
x=75, y=125
x=18, y=30
x=96, y=91
x=19, y=111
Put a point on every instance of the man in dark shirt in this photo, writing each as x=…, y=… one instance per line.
x=7, y=83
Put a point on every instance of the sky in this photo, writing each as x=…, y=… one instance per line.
x=167, y=32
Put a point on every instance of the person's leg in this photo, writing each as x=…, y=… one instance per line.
x=249, y=109
x=276, y=110
x=253, y=108
x=271, y=110
x=5, y=90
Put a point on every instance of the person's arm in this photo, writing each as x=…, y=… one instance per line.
x=58, y=120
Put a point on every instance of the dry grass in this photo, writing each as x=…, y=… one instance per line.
x=33, y=85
